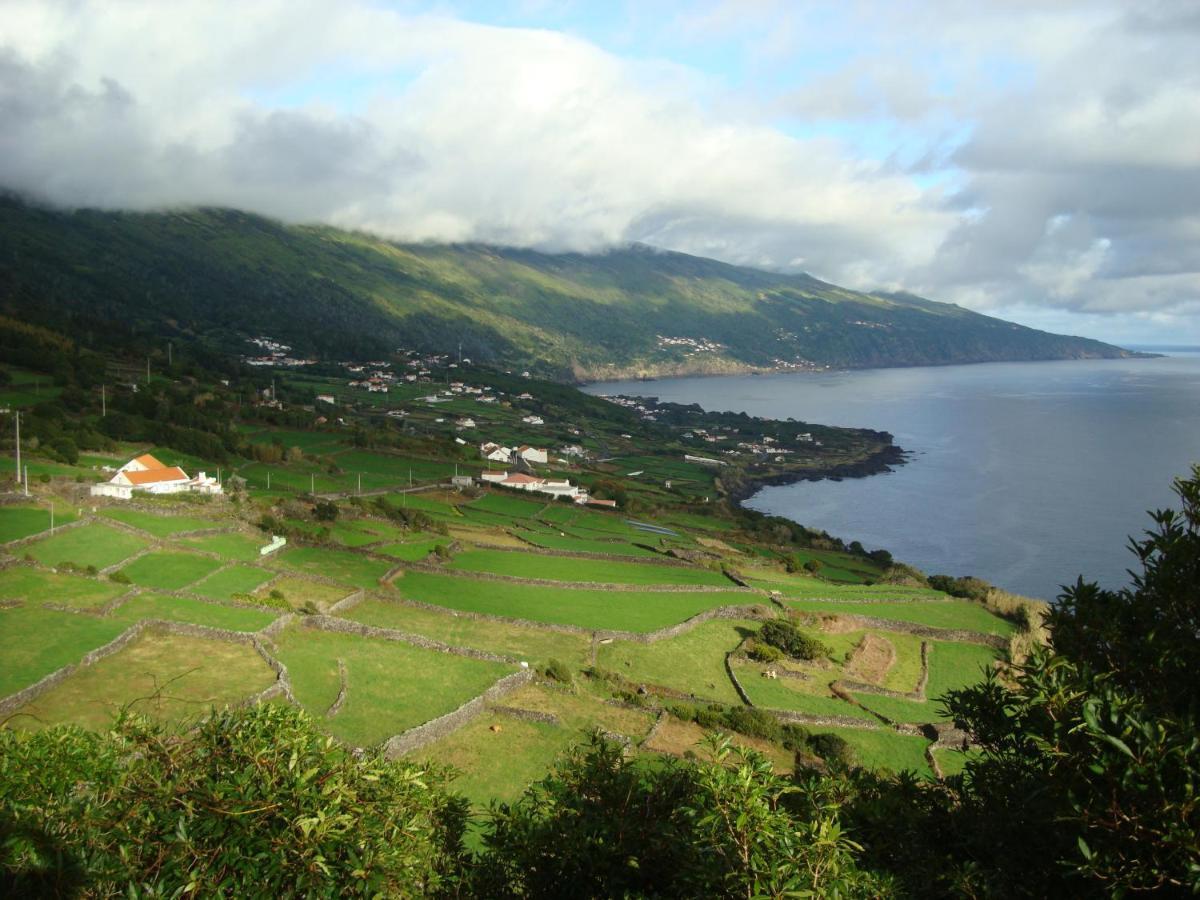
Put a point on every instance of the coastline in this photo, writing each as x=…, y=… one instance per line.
x=880, y=462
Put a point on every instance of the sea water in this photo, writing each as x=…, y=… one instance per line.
x=1025, y=474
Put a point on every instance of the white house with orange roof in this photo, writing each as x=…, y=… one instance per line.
x=146, y=473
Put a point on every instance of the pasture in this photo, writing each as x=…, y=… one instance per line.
x=693, y=662
x=392, y=685
x=159, y=526
x=962, y=615
x=586, y=608
x=35, y=642
x=169, y=570
x=165, y=676
x=37, y=586
x=23, y=521
x=93, y=544
x=233, y=580
x=351, y=568
x=532, y=644
x=578, y=569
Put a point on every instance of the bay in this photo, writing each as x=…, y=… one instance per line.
x=1025, y=474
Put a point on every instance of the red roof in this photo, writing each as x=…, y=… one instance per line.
x=153, y=476
x=519, y=478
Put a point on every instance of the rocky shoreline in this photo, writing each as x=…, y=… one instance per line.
x=883, y=460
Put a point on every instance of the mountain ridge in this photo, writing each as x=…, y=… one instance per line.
x=220, y=275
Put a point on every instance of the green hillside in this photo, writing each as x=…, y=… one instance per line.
x=220, y=275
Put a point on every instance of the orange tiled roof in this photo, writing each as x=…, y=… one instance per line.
x=149, y=461
x=519, y=478
x=153, y=476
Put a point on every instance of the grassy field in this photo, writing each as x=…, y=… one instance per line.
x=393, y=686
x=693, y=662
x=166, y=676
x=181, y=609
x=233, y=580
x=22, y=521
x=500, y=764
x=597, y=609
x=159, y=526
x=36, y=586
x=565, y=568
x=531, y=644
x=505, y=505
x=885, y=749
x=414, y=552
x=299, y=591
x=951, y=666
x=169, y=570
x=584, y=545
x=351, y=568
x=88, y=545
x=235, y=546
x=962, y=615
x=812, y=697
x=35, y=642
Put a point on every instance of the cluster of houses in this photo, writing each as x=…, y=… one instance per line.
x=496, y=453
x=691, y=346
x=276, y=354
x=148, y=474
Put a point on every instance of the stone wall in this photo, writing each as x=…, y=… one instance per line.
x=737, y=685
x=532, y=549
x=527, y=715
x=435, y=729
x=942, y=634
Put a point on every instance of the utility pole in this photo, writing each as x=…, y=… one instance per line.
x=312, y=483
x=268, y=479
x=360, y=482
x=18, y=415
x=27, y=481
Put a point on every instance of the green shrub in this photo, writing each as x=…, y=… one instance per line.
x=764, y=652
x=785, y=636
x=255, y=801
x=559, y=671
x=834, y=749
x=118, y=577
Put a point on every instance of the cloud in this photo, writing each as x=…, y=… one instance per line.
x=1005, y=156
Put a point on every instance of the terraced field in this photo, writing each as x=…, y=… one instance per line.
x=365, y=689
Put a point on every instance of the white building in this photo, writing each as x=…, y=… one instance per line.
x=494, y=452
x=145, y=473
x=533, y=420
x=532, y=454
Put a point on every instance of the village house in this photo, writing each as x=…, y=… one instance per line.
x=494, y=452
x=532, y=454
x=533, y=420
x=146, y=473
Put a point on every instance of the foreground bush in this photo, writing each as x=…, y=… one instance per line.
x=602, y=825
x=253, y=802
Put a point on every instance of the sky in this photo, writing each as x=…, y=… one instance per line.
x=1036, y=161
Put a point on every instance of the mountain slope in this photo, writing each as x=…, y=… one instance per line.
x=222, y=274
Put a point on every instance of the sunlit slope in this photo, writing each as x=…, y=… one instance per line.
x=221, y=274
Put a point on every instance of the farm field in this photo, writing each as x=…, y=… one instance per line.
x=563, y=568
x=594, y=609
x=532, y=644
x=235, y=546
x=37, y=586
x=299, y=591
x=35, y=642
x=962, y=615
x=168, y=570
x=233, y=580
x=159, y=526
x=693, y=662
x=812, y=697
x=351, y=568
x=586, y=545
x=166, y=676
x=92, y=544
x=196, y=612
x=392, y=685
x=24, y=521
x=883, y=748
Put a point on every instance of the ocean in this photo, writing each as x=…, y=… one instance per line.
x=1025, y=474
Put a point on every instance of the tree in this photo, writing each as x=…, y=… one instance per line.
x=1090, y=766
